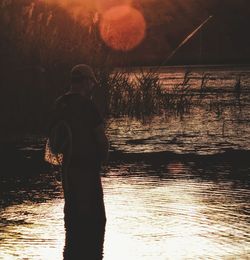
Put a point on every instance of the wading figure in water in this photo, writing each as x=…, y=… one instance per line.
x=84, y=212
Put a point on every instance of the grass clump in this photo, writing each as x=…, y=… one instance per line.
x=136, y=95
x=141, y=94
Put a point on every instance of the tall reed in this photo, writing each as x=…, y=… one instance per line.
x=141, y=94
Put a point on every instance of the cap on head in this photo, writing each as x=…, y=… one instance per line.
x=82, y=71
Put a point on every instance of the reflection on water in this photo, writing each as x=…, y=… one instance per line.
x=215, y=77
x=219, y=118
x=182, y=209
x=30, y=231
x=199, y=133
x=172, y=211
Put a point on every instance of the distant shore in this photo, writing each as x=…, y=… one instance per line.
x=19, y=160
x=188, y=66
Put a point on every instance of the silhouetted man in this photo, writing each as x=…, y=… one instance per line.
x=84, y=211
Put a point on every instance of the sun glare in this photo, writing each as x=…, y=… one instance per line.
x=104, y=5
x=122, y=27
x=78, y=9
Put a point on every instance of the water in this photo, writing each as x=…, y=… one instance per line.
x=198, y=132
x=189, y=208
x=218, y=119
x=217, y=77
x=171, y=211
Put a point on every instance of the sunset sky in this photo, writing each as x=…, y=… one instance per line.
x=225, y=39
x=149, y=30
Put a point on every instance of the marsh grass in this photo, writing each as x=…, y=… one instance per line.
x=179, y=99
x=137, y=96
x=142, y=95
x=42, y=44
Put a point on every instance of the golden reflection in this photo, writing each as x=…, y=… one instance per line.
x=157, y=219
x=148, y=218
x=33, y=231
x=176, y=167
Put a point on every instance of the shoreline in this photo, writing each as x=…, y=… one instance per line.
x=236, y=67
x=30, y=161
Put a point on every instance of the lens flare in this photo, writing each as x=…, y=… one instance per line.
x=79, y=10
x=122, y=27
x=104, y=5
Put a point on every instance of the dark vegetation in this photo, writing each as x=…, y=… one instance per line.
x=40, y=43
x=38, y=46
x=142, y=95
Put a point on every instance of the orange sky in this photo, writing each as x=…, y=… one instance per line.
x=152, y=29
x=122, y=27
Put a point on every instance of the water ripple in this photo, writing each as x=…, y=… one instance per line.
x=169, y=212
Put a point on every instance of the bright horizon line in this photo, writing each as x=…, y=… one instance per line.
x=246, y=65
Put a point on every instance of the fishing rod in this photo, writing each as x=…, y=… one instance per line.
x=187, y=39
x=190, y=36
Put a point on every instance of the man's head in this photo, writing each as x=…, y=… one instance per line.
x=83, y=79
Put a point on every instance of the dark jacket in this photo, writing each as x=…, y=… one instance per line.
x=82, y=117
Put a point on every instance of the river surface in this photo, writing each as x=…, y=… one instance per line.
x=218, y=118
x=172, y=209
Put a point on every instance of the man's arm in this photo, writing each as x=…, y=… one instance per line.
x=102, y=141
